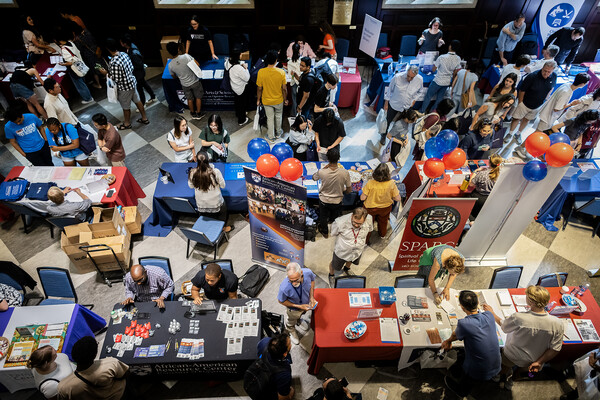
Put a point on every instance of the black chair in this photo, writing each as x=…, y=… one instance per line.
x=410, y=281
x=552, y=280
x=27, y=216
x=224, y=264
x=61, y=222
x=506, y=277
x=350, y=282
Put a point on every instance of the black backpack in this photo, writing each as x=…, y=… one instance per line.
x=252, y=282
x=226, y=81
x=257, y=379
x=322, y=71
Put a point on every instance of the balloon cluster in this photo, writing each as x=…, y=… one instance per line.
x=442, y=154
x=278, y=159
x=556, y=149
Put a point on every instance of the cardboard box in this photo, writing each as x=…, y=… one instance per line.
x=245, y=56
x=168, y=39
x=165, y=55
x=133, y=219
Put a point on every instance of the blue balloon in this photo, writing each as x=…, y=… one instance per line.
x=282, y=151
x=431, y=149
x=559, y=138
x=535, y=170
x=257, y=147
x=446, y=141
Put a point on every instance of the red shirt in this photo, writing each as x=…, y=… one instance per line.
x=326, y=39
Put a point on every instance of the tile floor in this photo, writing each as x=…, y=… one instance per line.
x=572, y=250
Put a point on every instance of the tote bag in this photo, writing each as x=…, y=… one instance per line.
x=111, y=91
x=77, y=66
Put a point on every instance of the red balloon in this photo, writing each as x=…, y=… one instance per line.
x=537, y=143
x=455, y=159
x=433, y=167
x=267, y=165
x=559, y=155
x=290, y=169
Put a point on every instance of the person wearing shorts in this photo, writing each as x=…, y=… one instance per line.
x=179, y=68
x=351, y=232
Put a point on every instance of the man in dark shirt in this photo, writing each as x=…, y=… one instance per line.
x=276, y=351
x=309, y=85
x=323, y=98
x=477, y=142
x=329, y=132
x=218, y=284
x=533, y=91
x=569, y=40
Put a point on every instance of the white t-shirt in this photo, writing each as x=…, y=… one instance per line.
x=238, y=77
x=557, y=100
x=211, y=200
x=49, y=382
x=507, y=70
x=184, y=140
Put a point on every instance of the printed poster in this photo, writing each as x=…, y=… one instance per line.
x=554, y=15
x=277, y=212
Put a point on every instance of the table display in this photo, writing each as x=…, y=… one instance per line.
x=181, y=340
x=126, y=189
x=52, y=324
x=348, y=94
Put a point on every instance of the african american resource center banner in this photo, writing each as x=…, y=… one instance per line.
x=277, y=212
x=431, y=222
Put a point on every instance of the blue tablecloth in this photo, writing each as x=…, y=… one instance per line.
x=551, y=210
x=381, y=80
x=162, y=220
x=83, y=323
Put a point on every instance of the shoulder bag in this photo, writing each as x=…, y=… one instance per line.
x=77, y=65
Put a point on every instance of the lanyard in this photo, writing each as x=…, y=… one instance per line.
x=299, y=293
x=355, y=235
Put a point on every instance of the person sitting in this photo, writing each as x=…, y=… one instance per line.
x=495, y=109
x=275, y=351
x=181, y=141
x=64, y=208
x=478, y=142
x=214, y=136
x=64, y=138
x=533, y=337
x=379, y=195
x=438, y=263
x=334, y=389
x=548, y=54
x=101, y=379
x=301, y=136
x=482, y=182
x=304, y=48
x=147, y=283
x=482, y=351
x=217, y=283
x=9, y=297
x=208, y=182
x=49, y=368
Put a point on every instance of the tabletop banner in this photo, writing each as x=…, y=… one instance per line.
x=277, y=219
x=552, y=16
x=431, y=222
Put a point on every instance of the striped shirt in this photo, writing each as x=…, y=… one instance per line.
x=120, y=70
x=158, y=285
x=446, y=64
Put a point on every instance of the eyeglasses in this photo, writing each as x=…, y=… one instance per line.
x=296, y=280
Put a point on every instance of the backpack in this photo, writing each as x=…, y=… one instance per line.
x=315, y=87
x=13, y=189
x=87, y=141
x=383, y=53
x=252, y=282
x=322, y=71
x=226, y=81
x=260, y=64
x=39, y=191
x=257, y=379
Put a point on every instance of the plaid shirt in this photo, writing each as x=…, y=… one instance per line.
x=120, y=70
x=158, y=285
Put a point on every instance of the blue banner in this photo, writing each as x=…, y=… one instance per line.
x=552, y=16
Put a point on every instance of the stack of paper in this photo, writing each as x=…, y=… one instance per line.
x=389, y=330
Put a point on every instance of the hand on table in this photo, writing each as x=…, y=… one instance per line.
x=437, y=299
x=215, y=57
x=446, y=293
x=160, y=302
x=127, y=301
x=198, y=301
x=67, y=190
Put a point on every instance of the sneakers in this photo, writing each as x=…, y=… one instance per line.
x=348, y=271
x=518, y=138
x=507, y=138
x=508, y=384
x=382, y=139
x=294, y=338
x=521, y=153
x=87, y=101
x=331, y=281
x=245, y=122
x=496, y=379
x=152, y=100
x=303, y=325
x=200, y=115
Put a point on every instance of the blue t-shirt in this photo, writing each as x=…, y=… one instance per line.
x=281, y=380
x=26, y=134
x=70, y=135
x=482, y=352
x=299, y=295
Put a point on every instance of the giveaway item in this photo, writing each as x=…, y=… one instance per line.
x=355, y=329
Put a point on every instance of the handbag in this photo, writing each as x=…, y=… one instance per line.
x=464, y=122
x=111, y=91
x=13, y=189
x=77, y=65
x=381, y=121
x=464, y=97
x=402, y=155
x=384, y=155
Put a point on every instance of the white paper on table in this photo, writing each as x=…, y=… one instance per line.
x=229, y=330
x=447, y=306
x=359, y=299
x=519, y=299
x=311, y=168
x=238, y=344
x=586, y=330
x=456, y=179
x=7, y=78
x=507, y=312
x=230, y=346
x=504, y=297
x=61, y=74
x=349, y=62
x=97, y=186
x=219, y=73
x=254, y=325
x=570, y=333
x=56, y=59
x=523, y=308
x=207, y=74
x=369, y=313
x=222, y=312
x=373, y=163
x=59, y=67
x=382, y=394
x=389, y=330
x=584, y=166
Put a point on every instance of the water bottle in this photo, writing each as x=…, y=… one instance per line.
x=575, y=291
x=583, y=289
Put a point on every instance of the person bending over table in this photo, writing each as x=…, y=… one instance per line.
x=482, y=352
x=399, y=131
x=297, y=293
x=533, y=337
x=495, y=109
x=147, y=283
x=61, y=208
x=208, y=182
x=9, y=297
x=217, y=283
x=438, y=263
x=49, y=368
x=101, y=379
x=379, y=195
x=275, y=352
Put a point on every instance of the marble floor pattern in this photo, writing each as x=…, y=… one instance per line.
x=538, y=250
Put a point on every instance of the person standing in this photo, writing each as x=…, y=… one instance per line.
x=431, y=38
x=139, y=71
x=482, y=352
x=329, y=133
x=324, y=98
x=272, y=93
x=438, y=263
x=335, y=182
x=71, y=55
x=297, y=293
x=293, y=69
x=402, y=94
x=120, y=70
x=198, y=42
x=464, y=82
x=109, y=141
x=569, y=40
x=351, y=232
x=328, y=39
x=56, y=105
x=533, y=337
x=190, y=83
x=445, y=65
x=559, y=101
x=33, y=41
x=379, y=195
x=521, y=62
x=238, y=78
x=511, y=34
x=64, y=138
x=309, y=85
x=25, y=133
x=589, y=140
x=275, y=352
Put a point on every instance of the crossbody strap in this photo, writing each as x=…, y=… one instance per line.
x=83, y=379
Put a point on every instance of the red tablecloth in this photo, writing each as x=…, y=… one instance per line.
x=330, y=318
x=350, y=91
x=127, y=190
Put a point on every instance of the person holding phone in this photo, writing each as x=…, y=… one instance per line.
x=478, y=142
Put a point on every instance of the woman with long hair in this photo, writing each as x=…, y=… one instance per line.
x=215, y=139
x=49, y=368
x=575, y=127
x=21, y=86
x=328, y=39
x=198, y=41
x=181, y=141
x=238, y=78
x=379, y=195
x=482, y=182
x=33, y=40
x=495, y=109
x=399, y=131
x=508, y=85
x=293, y=69
x=301, y=136
x=208, y=182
